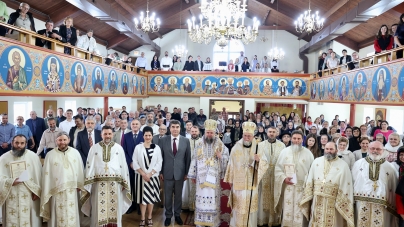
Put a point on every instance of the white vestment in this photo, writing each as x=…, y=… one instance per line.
x=63, y=175
x=375, y=184
x=239, y=173
x=16, y=201
x=189, y=188
x=107, y=196
x=207, y=169
x=267, y=214
x=289, y=196
x=329, y=190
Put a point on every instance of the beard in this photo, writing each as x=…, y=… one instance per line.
x=17, y=152
x=375, y=157
x=52, y=128
x=62, y=147
x=195, y=136
x=296, y=147
x=330, y=156
x=247, y=143
x=209, y=140
x=271, y=140
x=150, y=121
x=107, y=141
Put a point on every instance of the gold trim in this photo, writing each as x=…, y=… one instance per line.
x=390, y=208
x=375, y=176
x=106, y=150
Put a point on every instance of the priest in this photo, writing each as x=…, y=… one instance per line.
x=107, y=190
x=19, y=198
x=329, y=182
x=245, y=163
x=267, y=213
x=208, y=166
x=188, y=192
x=375, y=183
x=291, y=170
x=63, y=178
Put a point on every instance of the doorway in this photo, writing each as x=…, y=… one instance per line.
x=233, y=107
x=299, y=109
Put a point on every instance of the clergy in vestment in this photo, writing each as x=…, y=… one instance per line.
x=240, y=171
x=19, y=201
x=329, y=190
x=107, y=190
x=267, y=213
x=208, y=166
x=189, y=190
x=375, y=182
x=291, y=171
x=63, y=178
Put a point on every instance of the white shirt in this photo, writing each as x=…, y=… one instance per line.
x=176, y=142
x=87, y=44
x=166, y=61
x=66, y=125
x=140, y=62
x=154, y=127
x=188, y=135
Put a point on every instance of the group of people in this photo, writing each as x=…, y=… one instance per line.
x=386, y=39
x=282, y=169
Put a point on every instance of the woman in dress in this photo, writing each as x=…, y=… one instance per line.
x=246, y=65
x=189, y=65
x=147, y=162
x=155, y=63
x=177, y=65
x=383, y=41
x=332, y=62
x=354, y=141
x=383, y=130
x=68, y=33
x=208, y=65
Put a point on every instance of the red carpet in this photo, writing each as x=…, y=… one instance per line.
x=225, y=211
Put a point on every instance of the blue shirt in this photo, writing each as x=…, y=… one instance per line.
x=7, y=132
x=24, y=130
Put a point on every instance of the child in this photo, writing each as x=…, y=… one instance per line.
x=228, y=142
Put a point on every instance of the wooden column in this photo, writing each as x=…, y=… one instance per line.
x=352, y=115
x=106, y=107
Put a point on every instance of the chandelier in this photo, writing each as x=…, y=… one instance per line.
x=147, y=24
x=222, y=42
x=180, y=51
x=223, y=20
x=276, y=53
x=309, y=22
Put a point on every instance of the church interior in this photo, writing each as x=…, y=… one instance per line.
x=335, y=60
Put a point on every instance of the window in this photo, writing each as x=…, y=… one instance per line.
x=368, y=112
x=21, y=109
x=396, y=119
x=70, y=105
x=229, y=52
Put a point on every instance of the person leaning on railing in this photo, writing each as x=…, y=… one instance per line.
x=48, y=32
x=384, y=41
x=3, y=17
x=399, y=36
x=22, y=18
x=68, y=33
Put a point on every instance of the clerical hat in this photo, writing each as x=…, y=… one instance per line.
x=249, y=127
x=210, y=124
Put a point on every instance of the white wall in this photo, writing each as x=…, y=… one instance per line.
x=366, y=50
x=329, y=110
x=360, y=115
x=180, y=102
x=286, y=41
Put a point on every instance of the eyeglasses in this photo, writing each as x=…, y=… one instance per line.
x=375, y=149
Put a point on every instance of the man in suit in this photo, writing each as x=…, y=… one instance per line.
x=37, y=127
x=162, y=133
x=84, y=143
x=74, y=131
x=119, y=134
x=176, y=152
x=49, y=114
x=198, y=64
x=48, y=32
x=131, y=139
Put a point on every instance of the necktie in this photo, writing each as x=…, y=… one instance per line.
x=123, y=133
x=90, y=139
x=134, y=138
x=174, y=147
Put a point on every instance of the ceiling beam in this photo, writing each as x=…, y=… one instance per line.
x=113, y=42
x=330, y=12
x=367, y=42
x=284, y=9
x=264, y=20
x=59, y=16
x=365, y=10
x=35, y=13
x=104, y=10
x=177, y=8
x=347, y=42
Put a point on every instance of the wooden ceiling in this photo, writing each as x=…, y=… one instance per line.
x=171, y=12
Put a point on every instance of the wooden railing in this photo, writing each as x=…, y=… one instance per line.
x=363, y=62
x=29, y=37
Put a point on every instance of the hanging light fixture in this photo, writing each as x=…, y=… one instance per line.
x=225, y=18
x=276, y=53
x=180, y=50
x=222, y=42
x=309, y=22
x=147, y=24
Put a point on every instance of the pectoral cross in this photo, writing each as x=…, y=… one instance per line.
x=106, y=167
x=375, y=186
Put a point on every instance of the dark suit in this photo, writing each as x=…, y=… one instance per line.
x=129, y=147
x=83, y=145
x=63, y=33
x=156, y=139
x=38, y=41
x=174, y=169
x=348, y=59
x=196, y=66
x=39, y=129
